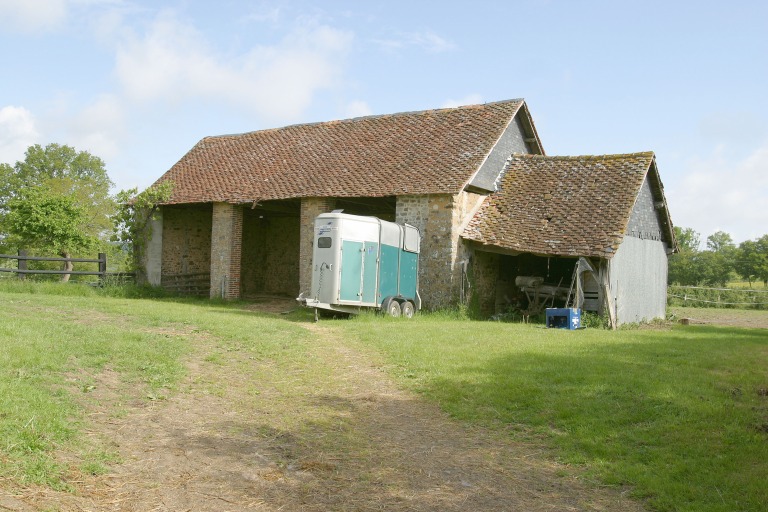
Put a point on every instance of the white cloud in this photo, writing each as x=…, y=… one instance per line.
x=720, y=194
x=17, y=133
x=470, y=99
x=99, y=126
x=357, y=108
x=427, y=41
x=172, y=62
x=264, y=14
x=32, y=15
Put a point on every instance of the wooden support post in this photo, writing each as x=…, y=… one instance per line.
x=22, y=264
x=102, y=267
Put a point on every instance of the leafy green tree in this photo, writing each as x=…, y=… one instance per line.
x=692, y=266
x=687, y=239
x=720, y=241
x=719, y=260
x=66, y=183
x=752, y=260
x=38, y=218
x=714, y=268
x=684, y=268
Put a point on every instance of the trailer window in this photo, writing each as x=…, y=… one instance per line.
x=324, y=242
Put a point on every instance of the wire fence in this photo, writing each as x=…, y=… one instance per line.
x=699, y=296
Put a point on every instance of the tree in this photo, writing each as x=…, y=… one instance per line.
x=720, y=241
x=714, y=267
x=687, y=239
x=692, y=266
x=752, y=260
x=718, y=261
x=71, y=186
x=683, y=265
x=39, y=219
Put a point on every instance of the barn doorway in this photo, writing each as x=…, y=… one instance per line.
x=530, y=283
x=270, y=249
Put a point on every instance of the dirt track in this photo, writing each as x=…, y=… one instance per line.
x=748, y=318
x=363, y=445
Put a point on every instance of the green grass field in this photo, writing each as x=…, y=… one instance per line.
x=55, y=337
x=679, y=414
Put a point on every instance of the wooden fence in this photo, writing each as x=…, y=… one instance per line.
x=22, y=268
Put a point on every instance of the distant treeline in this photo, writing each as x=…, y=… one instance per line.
x=720, y=262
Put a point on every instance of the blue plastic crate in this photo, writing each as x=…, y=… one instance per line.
x=563, y=318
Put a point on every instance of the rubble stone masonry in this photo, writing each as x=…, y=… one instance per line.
x=440, y=219
x=186, y=239
x=311, y=207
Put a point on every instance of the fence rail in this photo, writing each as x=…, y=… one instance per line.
x=699, y=296
x=744, y=290
x=22, y=269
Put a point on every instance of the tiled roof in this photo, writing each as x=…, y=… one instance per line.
x=427, y=152
x=562, y=206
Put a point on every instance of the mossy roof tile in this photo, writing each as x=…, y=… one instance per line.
x=427, y=152
x=564, y=206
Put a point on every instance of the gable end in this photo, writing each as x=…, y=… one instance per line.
x=519, y=137
x=644, y=220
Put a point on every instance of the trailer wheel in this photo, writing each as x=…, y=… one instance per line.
x=391, y=307
x=407, y=309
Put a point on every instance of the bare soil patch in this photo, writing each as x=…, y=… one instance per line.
x=748, y=318
x=337, y=434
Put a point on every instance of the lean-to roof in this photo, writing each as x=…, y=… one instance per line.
x=567, y=206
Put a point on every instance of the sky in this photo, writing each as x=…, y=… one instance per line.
x=139, y=82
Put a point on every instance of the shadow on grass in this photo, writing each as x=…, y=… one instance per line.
x=676, y=414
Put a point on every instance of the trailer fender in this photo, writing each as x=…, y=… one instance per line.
x=390, y=306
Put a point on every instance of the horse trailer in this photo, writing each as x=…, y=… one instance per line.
x=364, y=262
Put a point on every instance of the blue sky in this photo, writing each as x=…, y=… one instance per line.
x=139, y=82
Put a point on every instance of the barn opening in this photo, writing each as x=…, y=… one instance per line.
x=270, y=260
x=270, y=249
x=381, y=207
x=530, y=283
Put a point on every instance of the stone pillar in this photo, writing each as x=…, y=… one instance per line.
x=440, y=219
x=226, y=250
x=311, y=207
x=433, y=216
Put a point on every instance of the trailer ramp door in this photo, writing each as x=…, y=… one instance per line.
x=358, y=271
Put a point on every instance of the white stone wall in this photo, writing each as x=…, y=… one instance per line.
x=153, y=253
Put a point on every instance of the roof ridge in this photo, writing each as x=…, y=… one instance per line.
x=360, y=118
x=583, y=157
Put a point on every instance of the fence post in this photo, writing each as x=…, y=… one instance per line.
x=22, y=264
x=102, y=267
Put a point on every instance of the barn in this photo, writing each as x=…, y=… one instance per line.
x=239, y=221
x=597, y=226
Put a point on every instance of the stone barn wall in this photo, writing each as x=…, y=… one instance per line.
x=186, y=239
x=484, y=276
x=440, y=219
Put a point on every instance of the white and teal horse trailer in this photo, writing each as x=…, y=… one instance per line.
x=364, y=262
